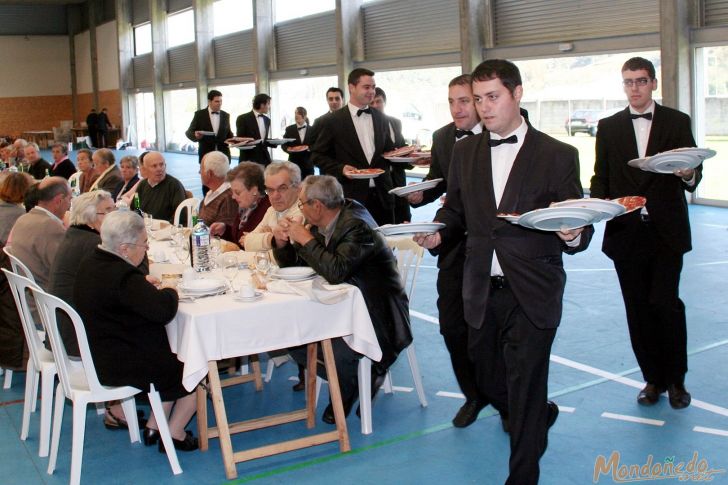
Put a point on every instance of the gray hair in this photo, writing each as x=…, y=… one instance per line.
x=31, y=144
x=62, y=146
x=20, y=142
x=294, y=173
x=131, y=160
x=325, y=189
x=121, y=227
x=217, y=163
x=106, y=155
x=83, y=207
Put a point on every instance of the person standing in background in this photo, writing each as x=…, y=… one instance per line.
x=92, y=122
x=103, y=125
x=300, y=131
x=256, y=124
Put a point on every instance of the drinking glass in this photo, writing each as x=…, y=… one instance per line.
x=148, y=222
x=182, y=251
x=230, y=268
x=215, y=248
x=262, y=262
x=176, y=232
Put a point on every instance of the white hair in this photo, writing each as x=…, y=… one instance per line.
x=121, y=227
x=84, y=207
x=294, y=172
x=217, y=163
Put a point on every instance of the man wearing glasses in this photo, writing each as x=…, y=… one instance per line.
x=647, y=246
x=282, y=181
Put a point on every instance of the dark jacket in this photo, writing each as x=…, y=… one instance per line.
x=233, y=232
x=302, y=159
x=110, y=181
x=201, y=122
x=247, y=125
x=123, y=188
x=38, y=169
x=358, y=255
x=13, y=350
x=64, y=169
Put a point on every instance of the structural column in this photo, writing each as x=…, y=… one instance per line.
x=349, y=38
x=473, y=23
x=204, y=56
x=94, y=52
x=126, y=53
x=264, y=59
x=675, y=21
x=159, y=56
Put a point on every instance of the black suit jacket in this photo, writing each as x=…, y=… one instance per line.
x=337, y=145
x=616, y=144
x=201, y=122
x=64, y=169
x=247, y=125
x=443, y=140
x=302, y=159
x=545, y=171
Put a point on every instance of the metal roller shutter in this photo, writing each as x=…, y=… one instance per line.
x=234, y=54
x=177, y=5
x=306, y=42
x=411, y=28
x=143, y=68
x=520, y=22
x=140, y=12
x=715, y=12
x=181, y=63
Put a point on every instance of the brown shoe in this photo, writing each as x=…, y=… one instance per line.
x=650, y=394
x=678, y=396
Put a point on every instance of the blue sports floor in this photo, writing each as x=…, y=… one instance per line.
x=593, y=378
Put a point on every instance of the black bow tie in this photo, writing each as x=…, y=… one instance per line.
x=301, y=127
x=461, y=133
x=366, y=110
x=216, y=112
x=494, y=143
x=262, y=116
x=647, y=116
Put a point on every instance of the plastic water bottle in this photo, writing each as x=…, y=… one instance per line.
x=75, y=189
x=201, y=247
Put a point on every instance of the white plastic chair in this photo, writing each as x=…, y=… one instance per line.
x=41, y=362
x=188, y=205
x=80, y=384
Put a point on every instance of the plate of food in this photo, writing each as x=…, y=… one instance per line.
x=279, y=141
x=298, y=148
x=365, y=173
x=631, y=202
x=559, y=218
x=609, y=208
x=399, y=152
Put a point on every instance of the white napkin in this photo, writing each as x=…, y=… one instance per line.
x=316, y=289
x=164, y=234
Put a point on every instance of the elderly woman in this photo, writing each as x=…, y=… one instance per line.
x=248, y=190
x=129, y=167
x=85, y=166
x=107, y=171
x=12, y=191
x=218, y=204
x=124, y=315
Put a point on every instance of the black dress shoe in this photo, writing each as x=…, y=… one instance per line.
x=679, y=397
x=328, y=416
x=190, y=443
x=468, y=413
x=301, y=385
x=150, y=436
x=553, y=413
x=650, y=394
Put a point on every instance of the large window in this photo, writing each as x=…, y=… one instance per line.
x=143, y=39
x=566, y=96
x=293, y=9
x=289, y=94
x=180, y=28
x=710, y=121
x=232, y=16
x=236, y=100
x=146, y=133
x=179, y=106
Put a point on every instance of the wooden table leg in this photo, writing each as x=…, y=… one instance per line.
x=202, y=424
x=335, y=393
x=311, y=369
x=255, y=365
x=218, y=405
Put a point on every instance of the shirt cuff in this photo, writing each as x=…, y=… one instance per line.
x=574, y=242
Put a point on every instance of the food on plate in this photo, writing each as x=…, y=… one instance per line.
x=237, y=140
x=632, y=202
x=299, y=148
x=400, y=152
x=366, y=171
x=227, y=246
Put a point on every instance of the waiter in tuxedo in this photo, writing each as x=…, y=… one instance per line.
x=300, y=131
x=211, y=120
x=354, y=138
x=647, y=246
x=335, y=100
x=402, y=211
x=451, y=255
x=256, y=124
x=513, y=278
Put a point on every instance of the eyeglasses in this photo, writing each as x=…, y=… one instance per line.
x=282, y=189
x=640, y=81
x=106, y=212
x=145, y=245
x=301, y=203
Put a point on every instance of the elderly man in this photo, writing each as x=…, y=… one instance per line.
x=62, y=166
x=282, y=180
x=218, y=205
x=109, y=175
x=343, y=247
x=19, y=149
x=38, y=233
x=159, y=193
x=38, y=167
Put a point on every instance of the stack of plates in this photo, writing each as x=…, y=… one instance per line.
x=556, y=218
x=411, y=228
x=408, y=189
x=608, y=208
x=279, y=141
x=668, y=162
x=202, y=287
x=294, y=273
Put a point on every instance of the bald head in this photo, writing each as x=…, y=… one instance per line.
x=54, y=195
x=155, y=167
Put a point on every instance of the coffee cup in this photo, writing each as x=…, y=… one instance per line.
x=247, y=291
x=188, y=275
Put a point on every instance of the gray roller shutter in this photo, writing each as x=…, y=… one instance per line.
x=177, y=5
x=520, y=22
x=140, y=12
x=143, y=68
x=181, y=63
x=234, y=54
x=715, y=12
x=306, y=42
x=411, y=28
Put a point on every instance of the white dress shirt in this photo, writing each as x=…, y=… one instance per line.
x=214, y=120
x=642, y=129
x=213, y=194
x=302, y=131
x=364, y=126
x=477, y=129
x=260, y=118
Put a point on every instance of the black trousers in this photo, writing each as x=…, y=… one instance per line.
x=454, y=329
x=655, y=314
x=382, y=212
x=347, y=366
x=511, y=358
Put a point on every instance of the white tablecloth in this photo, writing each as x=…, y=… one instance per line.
x=219, y=327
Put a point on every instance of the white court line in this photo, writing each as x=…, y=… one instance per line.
x=566, y=409
x=719, y=432
x=633, y=419
x=714, y=263
x=425, y=317
x=455, y=395
x=631, y=382
x=721, y=226
x=402, y=389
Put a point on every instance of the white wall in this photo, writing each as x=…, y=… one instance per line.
x=34, y=66
x=83, y=63
x=108, y=56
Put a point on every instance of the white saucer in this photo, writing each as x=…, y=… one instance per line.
x=247, y=299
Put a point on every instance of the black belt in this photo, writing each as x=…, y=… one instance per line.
x=498, y=282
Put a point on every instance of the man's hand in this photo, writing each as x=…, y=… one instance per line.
x=428, y=241
x=198, y=135
x=686, y=174
x=569, y=234
x=415, y=197
x=347, y=170
x=153, y=280
x=297, y=232
x=280, y=233
x=217, y=229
